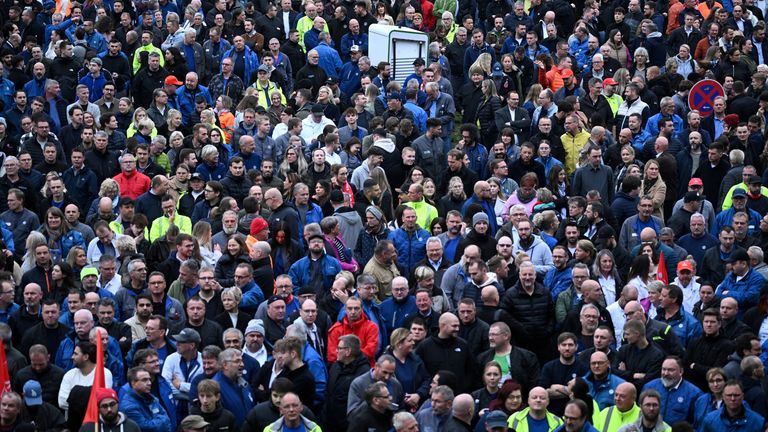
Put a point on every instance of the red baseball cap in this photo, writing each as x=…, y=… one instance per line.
x=172, y=80
x=684, y=265
x=695, y=182
x=610, y=81
x=566, y=73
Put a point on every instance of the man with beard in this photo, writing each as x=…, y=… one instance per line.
x=77, y=381
x=446, y=351
x=368, y=195
x=632, y=227
x=282, y=213
x=534, y=247
x=317, y=269
x=100, y=159
x=110, y=417
x=528, y=308
x=649, y=419
x=375, y=230
x=556, y=373
x=594, y=176
x=681, y=394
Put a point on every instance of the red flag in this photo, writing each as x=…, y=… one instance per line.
x=661, y=272
x=5, y=377
x=92, y=414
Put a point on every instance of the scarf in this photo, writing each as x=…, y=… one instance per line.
x=525, y=199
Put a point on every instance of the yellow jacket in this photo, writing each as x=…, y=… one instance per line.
x=425, y=212
x=160, y=226
x=148, y=49
x=519, y=421
x=611, y=419
x=264, y=94
x=304, y=25
x=573, y=145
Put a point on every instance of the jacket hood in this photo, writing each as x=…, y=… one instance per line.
x=349, y=215
x=386, y=144
x=654, y=35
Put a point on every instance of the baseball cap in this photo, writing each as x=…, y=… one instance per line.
x=187, y=335
x=695, y=182
x=33, y=393
x=739, y=193
x=393, y=96
x=172, y=80
x=755, y=180
x=684, y=265
x=610, y=82
x=263, y=68
x=317, y=109
x=316, y=236
x=332, y=80
x=196, y=176
x=354, y=48
x=194, y=422
x=496, y=419
x=732, y=120
x=738, y=255
x=566, y=73
x=692, y=196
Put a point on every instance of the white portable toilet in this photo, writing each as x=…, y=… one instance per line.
x=399, y=46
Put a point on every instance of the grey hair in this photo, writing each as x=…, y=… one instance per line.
x=587, y=307
x=229, y=355
x=434, y=239
x=400, y=419
x=190, y=31
x=756, y=253
x=208, y=150
x=233, y=330
x=297, y=330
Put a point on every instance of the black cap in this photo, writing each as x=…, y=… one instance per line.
x=196, y=176
x=317, y=109
x=314, y=236
x=306, y=289
x=274, y=298
x=739, y=193
x=332, y=80
x=692, y=196
x=738, y=255
x=755, y=180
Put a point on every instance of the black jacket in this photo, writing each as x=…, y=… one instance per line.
x=486, y=243
x=366, y=419
x=450, y=354
x=219, y=420
x=21, y=321
x=104, y=164
x=704, y=353
x=647, y=361
x=534, y=314
x=265, y=413
x=236, y=187
x=523, y=365
x=49, y=379
x=340, y=377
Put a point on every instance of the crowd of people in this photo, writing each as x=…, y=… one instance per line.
x=526, y=228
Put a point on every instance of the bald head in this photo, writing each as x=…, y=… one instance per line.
x=464, y=407
x=647, y=235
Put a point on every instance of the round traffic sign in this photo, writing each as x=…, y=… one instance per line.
x=702, y=96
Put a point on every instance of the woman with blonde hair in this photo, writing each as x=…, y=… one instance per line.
x=485, y=62
x=497, y=194
x=623, y=77
x=532, y=98
x=654, y=186
x=210, y=253
x=109, y=189
x=232, y=317
x=486, y=112
x=325, y=100
x=410, y=370
x=386, y=199
x=454, y=198
x=34, y=239
x=139, y=115
x=293, y=161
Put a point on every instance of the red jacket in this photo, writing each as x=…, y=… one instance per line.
x=133, y=185
x=365, y=330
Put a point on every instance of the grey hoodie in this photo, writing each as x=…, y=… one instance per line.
x=350, y=225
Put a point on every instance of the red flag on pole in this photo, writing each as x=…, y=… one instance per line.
x=92, y=414
x=661, y=272
x=5, y=377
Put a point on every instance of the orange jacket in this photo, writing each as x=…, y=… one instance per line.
x=133, y=185
x=551, y=79
x=365, y=330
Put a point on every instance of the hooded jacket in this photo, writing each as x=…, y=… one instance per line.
x=350, y=224
x=364, y=329
x=340, y=377
x=146, y=411
x=123, y=424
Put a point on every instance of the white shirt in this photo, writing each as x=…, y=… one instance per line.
x=618, y=318
x=172, y=368
x=73, y=378
x=113, y=285
x=690, y=294
x=261, y=355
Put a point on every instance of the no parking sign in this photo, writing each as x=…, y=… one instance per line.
x=702, y=96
